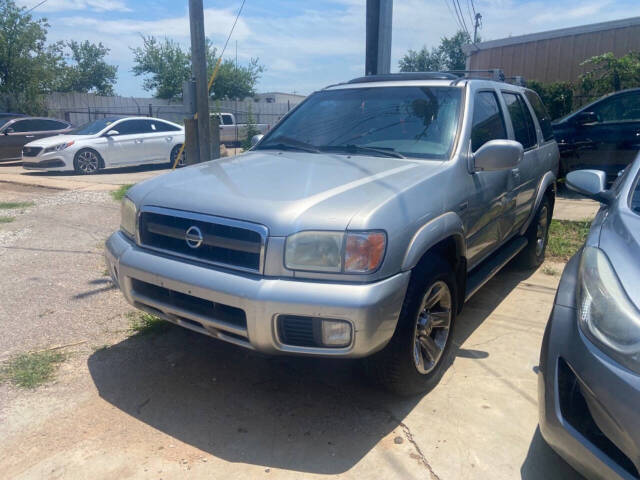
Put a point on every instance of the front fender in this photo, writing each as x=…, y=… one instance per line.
x=448, y=225
x=548, y=179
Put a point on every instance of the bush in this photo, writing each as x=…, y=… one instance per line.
x=556, y=96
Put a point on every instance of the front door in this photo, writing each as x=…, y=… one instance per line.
x=17, y=134
x=488, y=192
x=123, y=146
x=612, y=142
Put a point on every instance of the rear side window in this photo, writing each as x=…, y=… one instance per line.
x=22, y=126
x=163, y=127
x=541, y=112
x=488, y=123
x=53, y=125
x=523, y=127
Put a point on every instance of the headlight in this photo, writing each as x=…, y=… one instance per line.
x=605, y=313
x=338, y=252
x=128, y=219
x=58, y=148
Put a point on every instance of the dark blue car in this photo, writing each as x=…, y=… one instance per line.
x=589, y=383
x=604, y=135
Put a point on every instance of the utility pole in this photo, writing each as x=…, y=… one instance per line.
x=199, y=70
x=477, y=25
x=379, y=27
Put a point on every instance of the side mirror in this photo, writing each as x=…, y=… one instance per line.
x=255, y=139
x=498, y=155
x=586, y=118
x=111, y=133
x=9, y=130
x=590, y=183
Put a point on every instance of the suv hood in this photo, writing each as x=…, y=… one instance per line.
x=285, y=191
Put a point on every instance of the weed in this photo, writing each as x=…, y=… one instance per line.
x=145, y=323
x=30, y=370
x=6, y=219
x=119, y=194
x=14, y=205
x=566, y=237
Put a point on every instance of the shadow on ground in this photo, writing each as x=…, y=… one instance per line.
x=303, y=414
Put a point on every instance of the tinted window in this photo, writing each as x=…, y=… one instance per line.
x=28, y=126
x=418, y=122
x=53, y=125
x=93, y=127
x=635, y=198
x=163, y=127
x=619, y=108
x=488, y=123
x=132, y=127
x=521, y=120
x=541, y=112
x=227, y=120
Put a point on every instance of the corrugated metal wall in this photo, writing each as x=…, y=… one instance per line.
x=556, y=59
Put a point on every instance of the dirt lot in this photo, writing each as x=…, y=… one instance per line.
x=174, y=404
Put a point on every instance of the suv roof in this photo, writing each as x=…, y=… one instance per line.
x=398, y=77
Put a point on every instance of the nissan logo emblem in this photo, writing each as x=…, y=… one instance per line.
x=193, y=237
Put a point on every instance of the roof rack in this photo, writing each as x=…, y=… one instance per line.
x=391, y=77
x=495, y=74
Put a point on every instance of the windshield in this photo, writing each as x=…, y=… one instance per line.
x=404, y=121
x=92, y=128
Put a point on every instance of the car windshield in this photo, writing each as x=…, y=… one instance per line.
x=92, y=128
x=392, y=121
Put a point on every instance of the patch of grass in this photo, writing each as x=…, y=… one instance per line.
x=119, y=194
x=566, y=237
x=6, y=219
x=547, y=270
x=14, y=205
x=145, y=323
x=30, y=370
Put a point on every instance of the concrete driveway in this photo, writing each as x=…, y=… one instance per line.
x=175, y=404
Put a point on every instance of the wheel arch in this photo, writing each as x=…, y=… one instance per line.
x=100, y=158
x=547, y=186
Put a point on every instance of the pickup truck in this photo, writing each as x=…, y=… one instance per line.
x=356, y=228
x=232, y=133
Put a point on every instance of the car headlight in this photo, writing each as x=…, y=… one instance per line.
x=337, y=252
x=129, y=217
x=606, y=315
x=58, y=148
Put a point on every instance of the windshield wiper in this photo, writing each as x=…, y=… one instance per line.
x=352, y=148
x=287, y=143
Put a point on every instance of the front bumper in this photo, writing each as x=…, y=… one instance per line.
x=372, y=309
x=588, y=403
x=37, y=163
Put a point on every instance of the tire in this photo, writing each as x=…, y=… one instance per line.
x=174, y=154
x=537, y=235
x=405, y=366
x=87, y=162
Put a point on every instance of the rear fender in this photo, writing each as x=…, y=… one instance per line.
x=547, y=180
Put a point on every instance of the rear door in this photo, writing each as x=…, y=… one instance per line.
x=21, y=132
x=612, y=142
x=528, y=172
x=167, y=136
x=482, y=212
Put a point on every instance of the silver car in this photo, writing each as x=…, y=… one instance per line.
x=589, y=382
x=357, y=227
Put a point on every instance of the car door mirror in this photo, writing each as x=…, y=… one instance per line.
x=255, y=139
x=590, y=183
x=111, y=133
x=498, y=155
x=586, y=118
x=9, y=130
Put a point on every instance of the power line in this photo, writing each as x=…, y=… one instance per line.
x=232, y=27
x=458, y=9
x=455, y=16
x=471, y=19
x=33, y=8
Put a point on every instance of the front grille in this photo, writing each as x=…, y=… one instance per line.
x=55, y=163
x=199, y=306
x=224, y=242
x=31, y=151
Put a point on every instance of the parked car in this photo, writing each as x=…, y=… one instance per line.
x=11, y=115
x=604, y=134
x=105, y=143
x=357, y=227
x=232, y=133
x=589, y=381
x=16, y=131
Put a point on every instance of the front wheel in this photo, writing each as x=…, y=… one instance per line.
x=420, y=350
x=87, y=162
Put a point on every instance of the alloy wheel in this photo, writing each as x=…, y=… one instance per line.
x=541, y=231
x=88, y=162
x=432, y=327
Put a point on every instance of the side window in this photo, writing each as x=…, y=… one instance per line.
x=488, y=123
x=620, y=108
x=543, y=117
x=124, y=128
x=227, y=120
x=132, y=127
x=523, y=127
x=53, y=125
x=23, y=126
x=163, y=127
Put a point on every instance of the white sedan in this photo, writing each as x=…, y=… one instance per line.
x=105, y=143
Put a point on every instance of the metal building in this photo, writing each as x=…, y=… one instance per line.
x=555, y=55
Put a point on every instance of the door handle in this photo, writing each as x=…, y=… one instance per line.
x=138, y=140
x=29, y=136
x=516, y=173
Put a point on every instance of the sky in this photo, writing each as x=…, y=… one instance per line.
x=304, y=45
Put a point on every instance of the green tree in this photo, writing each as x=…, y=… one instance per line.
x=556, y=96
x=86, y=70
x=28, y=67
x=252, y=129
x=447, y=56
x=165, y=64
x=607, y=73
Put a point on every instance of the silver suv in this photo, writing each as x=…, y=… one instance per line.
x=357, y=227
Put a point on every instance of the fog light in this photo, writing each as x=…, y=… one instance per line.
x=336, y=333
